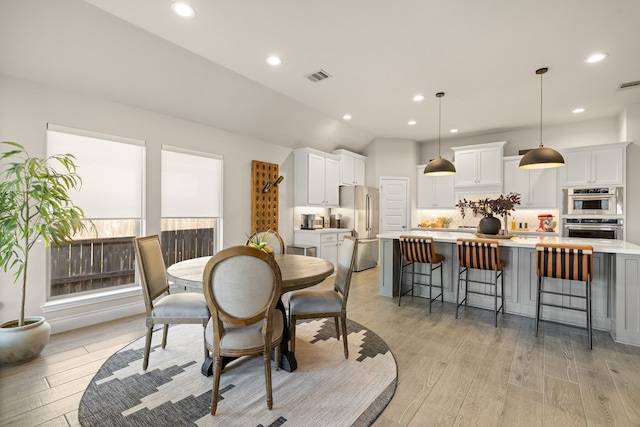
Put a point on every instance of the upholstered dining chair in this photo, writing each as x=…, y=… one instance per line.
x=162, y=306
x=242, y=286
x=313, y=304
x=273, y=239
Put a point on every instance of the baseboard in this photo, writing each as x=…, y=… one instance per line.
x=88, y=318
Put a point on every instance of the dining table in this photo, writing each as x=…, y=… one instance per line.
x=298, y=272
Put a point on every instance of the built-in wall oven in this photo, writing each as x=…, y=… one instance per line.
x=593, y=201
x=593, y=228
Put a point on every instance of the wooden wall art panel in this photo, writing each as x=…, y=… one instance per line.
x=264, y=196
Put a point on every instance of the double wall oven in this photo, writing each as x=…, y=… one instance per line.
x=594, y=213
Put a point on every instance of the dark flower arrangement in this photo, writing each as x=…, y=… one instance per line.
x=501, y=206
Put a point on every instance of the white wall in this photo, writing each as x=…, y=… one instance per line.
x=26, y=108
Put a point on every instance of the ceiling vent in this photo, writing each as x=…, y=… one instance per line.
x=629, y=85
x=317, y=76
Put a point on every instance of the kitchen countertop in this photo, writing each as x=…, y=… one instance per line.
x=325, y=230
x=599, y=245
x=474, y=230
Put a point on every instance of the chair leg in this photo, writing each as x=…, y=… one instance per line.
x=538, y=303
x=343, y=318
x=292, y=332
x=267, y=376
x=430, y=285
x=400, y=282
x=441, y=284
x=495, y=299
x=217, y=367
x=458, y=293
x=335, y=319
x=204, y=340
x=165, y=332
x=147, y=347
x=278, y=357
x=589, y=326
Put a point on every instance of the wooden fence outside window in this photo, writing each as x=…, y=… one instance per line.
x=97, y=264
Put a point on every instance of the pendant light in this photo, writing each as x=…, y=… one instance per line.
x=541, y=157
x=439, y=166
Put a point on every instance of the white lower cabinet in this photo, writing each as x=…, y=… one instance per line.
x=326, y=241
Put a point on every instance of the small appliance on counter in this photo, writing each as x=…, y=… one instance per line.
x=312, y=222
x=546, y=223
x=335, y=221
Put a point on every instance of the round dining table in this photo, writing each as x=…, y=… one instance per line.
x=298, y=272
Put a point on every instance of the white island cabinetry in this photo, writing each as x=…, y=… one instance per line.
x=615, y=285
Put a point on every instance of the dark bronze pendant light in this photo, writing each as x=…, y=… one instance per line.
x=439, y=166
x=541, y=157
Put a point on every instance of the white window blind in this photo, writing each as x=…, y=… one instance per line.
x=191, y=185
x=111, y=171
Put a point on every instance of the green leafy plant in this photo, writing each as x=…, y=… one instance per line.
x=35, y=204
x=260, y=241
x=501, y=206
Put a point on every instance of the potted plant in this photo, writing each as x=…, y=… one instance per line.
x=501, y=206
x=261, y=241
x=35, y=201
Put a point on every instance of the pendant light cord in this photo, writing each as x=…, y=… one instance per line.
x=439, y=123
x=541, y=109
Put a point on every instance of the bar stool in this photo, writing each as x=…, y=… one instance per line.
x=421, y=250
x=568, y=262
x=480, y=254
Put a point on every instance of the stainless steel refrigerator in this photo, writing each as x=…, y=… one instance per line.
x=359, y=210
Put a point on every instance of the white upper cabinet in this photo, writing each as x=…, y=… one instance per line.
x=598, y=165
x=538, y=188
x=352, y=167
x=479, y=167
x=434, y=191
x=316, y=180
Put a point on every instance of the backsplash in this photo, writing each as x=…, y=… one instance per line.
x=528, y=218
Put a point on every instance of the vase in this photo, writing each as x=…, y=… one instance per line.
x=489, y=225
x=19, y=344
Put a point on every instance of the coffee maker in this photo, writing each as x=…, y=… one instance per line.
x=335, y=221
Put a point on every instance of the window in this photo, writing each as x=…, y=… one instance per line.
x=112, y=172
x=191, y=199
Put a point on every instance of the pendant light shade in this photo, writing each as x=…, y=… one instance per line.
x=439, y=166
x=541, y=157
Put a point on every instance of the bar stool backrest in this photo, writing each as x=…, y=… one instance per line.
x=482, y=254
x=417, y=249
x=562, y=261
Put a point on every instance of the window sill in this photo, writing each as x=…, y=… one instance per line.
x=89, y=299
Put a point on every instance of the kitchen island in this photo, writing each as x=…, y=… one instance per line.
x=615, y=284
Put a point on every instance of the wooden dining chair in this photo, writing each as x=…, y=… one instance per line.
x=313, y=304
x=273, y=239
x=162, y=306
x=242, y=286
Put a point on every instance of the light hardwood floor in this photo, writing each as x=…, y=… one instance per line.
x=450, y=372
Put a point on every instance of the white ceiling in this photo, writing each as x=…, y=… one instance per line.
x=483, y=54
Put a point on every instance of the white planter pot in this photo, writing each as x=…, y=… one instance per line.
x=20, y=344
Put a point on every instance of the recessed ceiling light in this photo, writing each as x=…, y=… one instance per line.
x=274, y=60
x=578, y=110
x=411, y=122
x=347, y=117
x=183, y=9
x=418, y=98
x=596, y=57
x=454, y=131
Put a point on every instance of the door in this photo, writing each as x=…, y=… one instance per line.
x=394, y=199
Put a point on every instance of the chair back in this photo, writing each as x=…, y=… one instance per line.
x=153, y=274
x=482, y=254
x=346, y=263
x=242, y=286
x=274, y=240
x=417, y=249
x=561, y=261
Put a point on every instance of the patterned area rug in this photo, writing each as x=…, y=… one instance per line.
x=325, y=390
